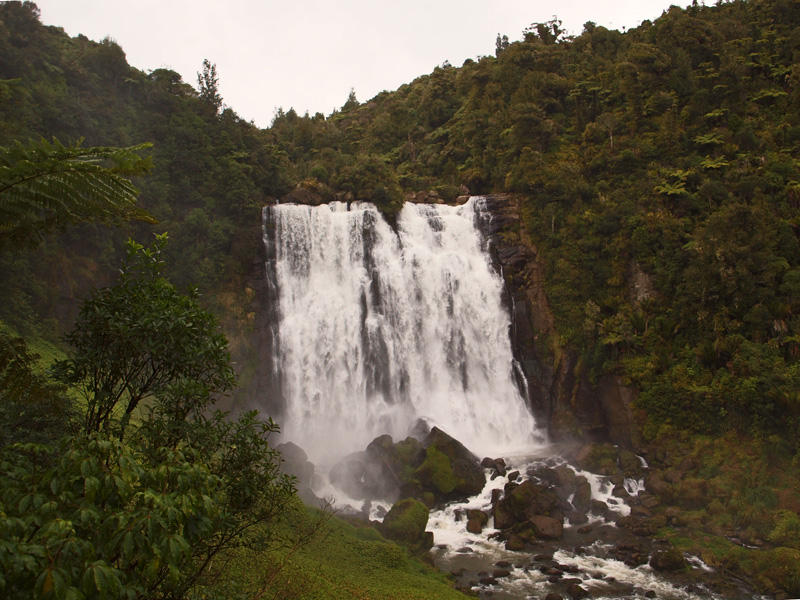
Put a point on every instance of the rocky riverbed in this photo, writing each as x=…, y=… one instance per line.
x=561, y=522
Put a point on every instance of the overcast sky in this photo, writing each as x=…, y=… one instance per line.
x=308, y=54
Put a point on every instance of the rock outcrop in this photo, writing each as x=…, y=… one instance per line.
x=436, y=470
x=560, y=395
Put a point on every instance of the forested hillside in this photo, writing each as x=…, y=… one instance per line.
x=669, y=151
x=657, y=171
x=210, y=173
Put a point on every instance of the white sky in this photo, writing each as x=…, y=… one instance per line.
x=308, y=54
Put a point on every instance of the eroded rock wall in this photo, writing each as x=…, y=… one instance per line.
x=560, y=396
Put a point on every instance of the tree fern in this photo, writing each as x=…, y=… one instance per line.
x=45, y=186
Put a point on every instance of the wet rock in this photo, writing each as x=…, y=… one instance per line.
x=577, y=518
x=553, y=596
x=497, y=573
x=582, y=501
x=629, y=463
x=576, y=592
x=667, y=559
x=569, y=568
x=405, y=523
x=620, y=492
x=294, y=461
x=639, y=526
x=600, y=508
x=503, y=515
x=449, y=470
x=419, y=430
x=488, y=580
x=476, y=520
x=530, y=499
x=513, y=476
x=515, y=543
x=503, y=564
x=547, y=528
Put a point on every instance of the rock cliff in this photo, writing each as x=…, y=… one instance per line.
x=561, y=397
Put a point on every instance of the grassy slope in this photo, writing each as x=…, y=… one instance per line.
x=341, y=561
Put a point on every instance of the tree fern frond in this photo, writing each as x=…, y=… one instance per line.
x=47, y=185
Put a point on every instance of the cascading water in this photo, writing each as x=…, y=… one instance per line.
x=377, y=328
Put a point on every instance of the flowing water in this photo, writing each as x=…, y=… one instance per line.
x=377, y=328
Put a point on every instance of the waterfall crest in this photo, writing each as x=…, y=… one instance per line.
x=376, y=329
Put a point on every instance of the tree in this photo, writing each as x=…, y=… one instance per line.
x=45, y=186
x=208, y=85
x=96, y=516
x=142, y=338
x=500, y=44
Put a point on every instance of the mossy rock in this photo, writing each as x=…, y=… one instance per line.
x=599, y=458
x=668, y=559
x=449, y=470
x=436, y=472
x=529, y=499
x=405, y=523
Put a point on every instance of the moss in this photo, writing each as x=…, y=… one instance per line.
x=437, y=471
x=406, y=522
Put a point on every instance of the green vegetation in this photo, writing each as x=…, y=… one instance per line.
x=88, y=515
x=346, y=561
x=658, y=177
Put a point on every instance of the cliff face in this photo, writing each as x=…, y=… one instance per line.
x=561, y=397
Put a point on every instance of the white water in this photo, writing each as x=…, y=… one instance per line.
x=456, y=547
x=377, y=329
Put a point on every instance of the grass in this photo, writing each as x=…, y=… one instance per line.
x=340, y=561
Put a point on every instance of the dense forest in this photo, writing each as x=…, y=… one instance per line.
x=665, y=155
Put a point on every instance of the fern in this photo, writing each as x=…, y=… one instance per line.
x=45, y=186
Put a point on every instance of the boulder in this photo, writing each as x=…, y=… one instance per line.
x=503, y=516
x=547, y=528
x=576, y=592
x=582, y=500
x=667, y=559
x=476, y=520
x=449, y=470
x=405, y=523
x=529, y=499
x=515, y=543
x=358, y=477
x=294, y=461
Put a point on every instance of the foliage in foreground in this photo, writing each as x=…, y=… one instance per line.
x=99, y=515
x=45, y=186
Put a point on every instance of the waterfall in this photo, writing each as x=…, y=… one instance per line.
x=377, y=328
